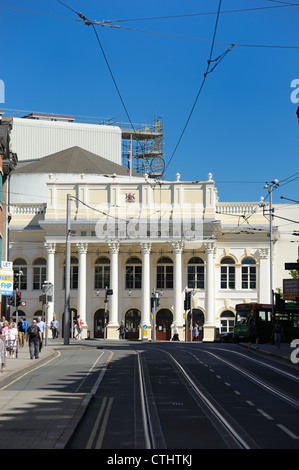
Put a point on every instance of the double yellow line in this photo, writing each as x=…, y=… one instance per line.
x=102, y=414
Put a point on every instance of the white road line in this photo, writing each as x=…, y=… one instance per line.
x=250, y=403
x=287, y=431
x=265, y=414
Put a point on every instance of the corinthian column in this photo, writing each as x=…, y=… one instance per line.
x=81, y=301
x=264, y=277
x=209, y=325
x=113, y=299
x=146, y=293
x=51, y=248
x=177, y=285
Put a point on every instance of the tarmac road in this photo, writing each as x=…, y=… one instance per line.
x=43, y=400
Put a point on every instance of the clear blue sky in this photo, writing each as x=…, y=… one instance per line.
x=244, y=128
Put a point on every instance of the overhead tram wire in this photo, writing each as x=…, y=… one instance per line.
x=91, y=23
x=202, y=84
x=110, y=24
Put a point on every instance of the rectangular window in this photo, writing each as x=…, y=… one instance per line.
x=196, y=279
x=20, y=281
x=248, y=277
x=102, y=277
x=133, y=277
x=164, y=277
x=39, y=277
x=227, y=280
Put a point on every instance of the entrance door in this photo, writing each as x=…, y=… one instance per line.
x=132, y=322
x=198, y=318
x=99, y=323
x=164, y=319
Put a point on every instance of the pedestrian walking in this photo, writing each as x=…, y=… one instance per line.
x=2, y=351
x=175, y=334
x=12, y=338
x=34, y=337
x=22, y=332
x=195, y=332
x=42, y=326
x=277, y=333
x=252, y=335
x=122, y=330
x=79, y=327
x=54, y=328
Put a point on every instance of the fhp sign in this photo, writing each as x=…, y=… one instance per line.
x=6, y=281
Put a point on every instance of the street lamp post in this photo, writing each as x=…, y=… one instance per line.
x=270, y=186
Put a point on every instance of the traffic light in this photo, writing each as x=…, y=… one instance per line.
x=11, y=300
x=18, y=298
x=155, y=301
x=187, y=301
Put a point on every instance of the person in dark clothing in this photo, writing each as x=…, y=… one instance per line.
x=277, y=333
x=34, y=337
x=252, y=335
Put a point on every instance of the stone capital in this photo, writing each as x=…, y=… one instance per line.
x=50, y=247
x=82, y=248
x=113, y=247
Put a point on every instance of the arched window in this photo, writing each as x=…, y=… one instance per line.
x=164, y=273
x=227, y=273
x=20, y=274
x=39, y=273
x=248, y=273
x=133, y=273
x=102, y=273
x=227, y=320
x=196, y=273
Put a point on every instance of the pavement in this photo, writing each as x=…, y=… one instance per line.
x=38, y=419
x=56, y=416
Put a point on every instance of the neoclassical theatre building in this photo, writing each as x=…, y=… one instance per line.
x=137, y=235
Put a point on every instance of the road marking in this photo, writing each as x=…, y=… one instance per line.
x=264, y=414
x=97, y=423
x=287, y=431
x=250, y=403
x=29, y=372
x=89, y=372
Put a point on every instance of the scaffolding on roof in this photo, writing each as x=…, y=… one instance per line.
x=145, y=145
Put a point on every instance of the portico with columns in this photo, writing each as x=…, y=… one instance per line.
x=136, y=235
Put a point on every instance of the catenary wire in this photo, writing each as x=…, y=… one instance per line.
x=200, y=88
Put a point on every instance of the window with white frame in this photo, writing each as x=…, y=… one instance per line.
x=248, y=273
x=39, y=273
x=165, y=273
x=102, y=273
x=196, y=273
x=228, y=273
x=227, y=321
x=20, y=274
x=133, y=273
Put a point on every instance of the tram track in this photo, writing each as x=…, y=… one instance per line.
x=227, y=428
x=191, y=398
x=260, y=382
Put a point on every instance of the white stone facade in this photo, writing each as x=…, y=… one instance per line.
x=144, y=235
